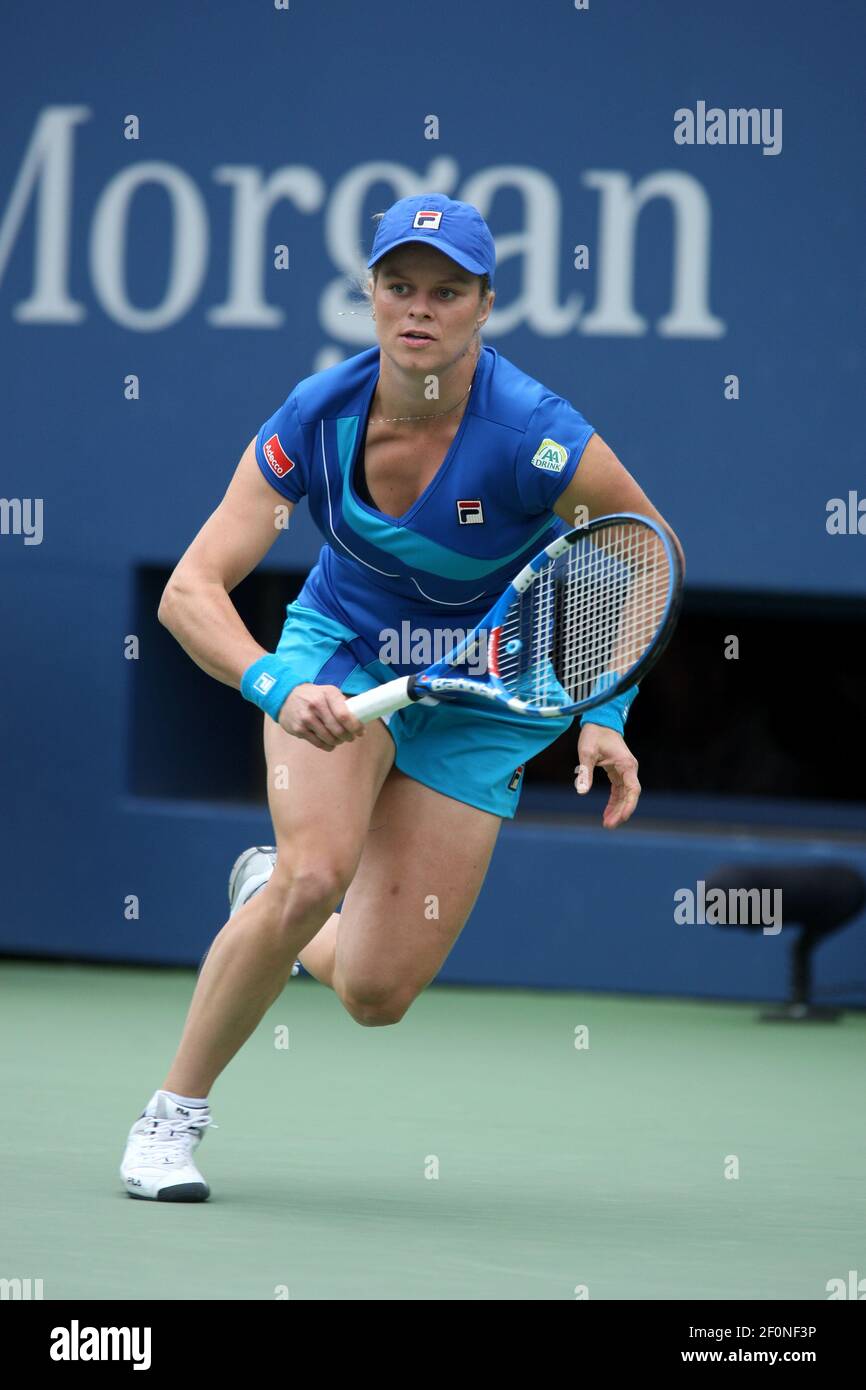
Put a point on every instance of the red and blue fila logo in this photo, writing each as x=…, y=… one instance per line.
x=427, y=221
x=515, y=778
x=470, y=512
x=278, y=460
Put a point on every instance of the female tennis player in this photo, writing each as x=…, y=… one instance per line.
x=434, y=469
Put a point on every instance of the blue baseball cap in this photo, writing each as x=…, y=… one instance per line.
x=456, y=229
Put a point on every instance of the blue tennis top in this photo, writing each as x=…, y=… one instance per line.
x=487, y=511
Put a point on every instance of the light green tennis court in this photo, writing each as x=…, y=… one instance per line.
x=559, y=1167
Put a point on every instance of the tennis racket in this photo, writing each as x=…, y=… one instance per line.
x=581, y=623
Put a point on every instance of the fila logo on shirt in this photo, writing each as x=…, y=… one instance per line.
x=278, y=460
x=550, y=456
x=515, y=778
x=427, y=221
x=470, y=513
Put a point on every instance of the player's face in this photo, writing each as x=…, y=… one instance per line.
x=427, y=308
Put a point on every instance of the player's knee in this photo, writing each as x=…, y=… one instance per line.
x=311, y=885
x=376, y=1010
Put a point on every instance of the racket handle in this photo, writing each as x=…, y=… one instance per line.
x=384, y=699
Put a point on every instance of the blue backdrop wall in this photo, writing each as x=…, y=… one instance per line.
x=713, y=335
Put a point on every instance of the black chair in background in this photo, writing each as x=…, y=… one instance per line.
x=819, y=898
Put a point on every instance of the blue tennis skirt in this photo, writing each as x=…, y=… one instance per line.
x=475, y=755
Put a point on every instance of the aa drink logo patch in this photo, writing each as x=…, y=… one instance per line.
x=278, y=460
x=550, y=456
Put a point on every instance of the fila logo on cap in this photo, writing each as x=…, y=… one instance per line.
x=550, y=456
x=278, y=460
x=470, y=512
x=515, y=778
x=427, y=221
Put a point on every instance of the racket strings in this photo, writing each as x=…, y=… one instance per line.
x=587, y=619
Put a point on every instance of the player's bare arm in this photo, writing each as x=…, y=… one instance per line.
x=197, y=610
x=603, y=486
x=195, y=605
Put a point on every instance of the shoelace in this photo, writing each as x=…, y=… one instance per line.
x=159, y=1144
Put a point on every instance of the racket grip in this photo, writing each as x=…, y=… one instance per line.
x=384, y=699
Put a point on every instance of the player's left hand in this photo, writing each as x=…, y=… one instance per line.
x=602, y=747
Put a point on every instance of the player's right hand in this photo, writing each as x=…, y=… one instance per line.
x=320, y=715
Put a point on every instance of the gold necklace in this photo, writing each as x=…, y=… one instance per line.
x=434, y=415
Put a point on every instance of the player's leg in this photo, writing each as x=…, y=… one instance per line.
x=458, y=775
x=320, y=805
x=420, y=872
x=471, y=766
x=411, y=828
x=444, y=910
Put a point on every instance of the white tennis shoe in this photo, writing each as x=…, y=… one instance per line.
x=250, y=872
x=157, y=1163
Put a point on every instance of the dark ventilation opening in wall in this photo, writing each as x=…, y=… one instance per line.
x=191, y=736
x=781, y=719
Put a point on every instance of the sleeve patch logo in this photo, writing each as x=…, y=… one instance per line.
x=278, y=460
x=550, y=456
x=427, y=221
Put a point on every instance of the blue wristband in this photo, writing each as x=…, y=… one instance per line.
x=268, y=684
x=613, y=713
